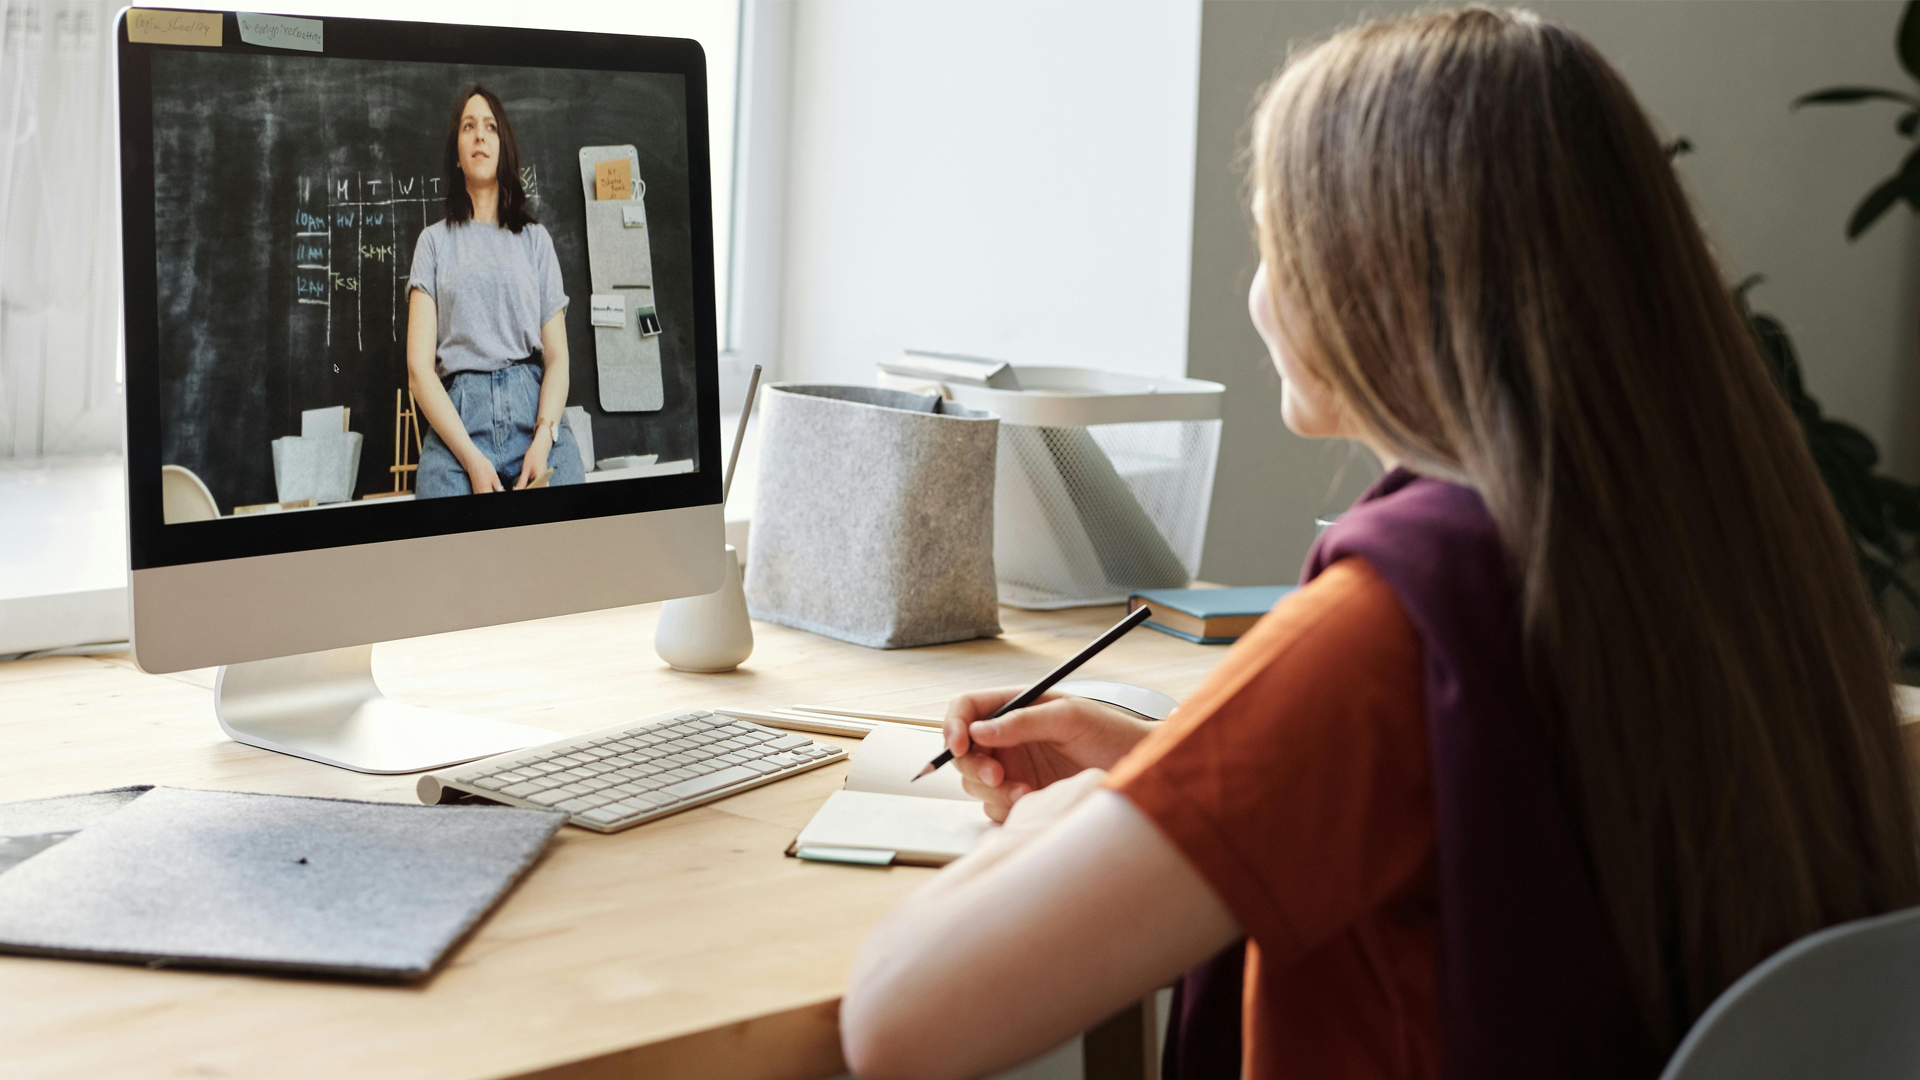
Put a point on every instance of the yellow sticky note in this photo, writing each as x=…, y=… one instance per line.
x=149, y=26
x=613, y=179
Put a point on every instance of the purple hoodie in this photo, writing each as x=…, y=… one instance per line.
x=1531, y=980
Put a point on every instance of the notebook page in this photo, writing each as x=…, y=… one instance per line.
x=892, y=754
x=934, y=831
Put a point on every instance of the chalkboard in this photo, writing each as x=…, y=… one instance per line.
x=289, y=192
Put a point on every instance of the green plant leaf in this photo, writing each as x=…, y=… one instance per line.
x=1907, y=39
x=1876, y=203
x=1847, y=95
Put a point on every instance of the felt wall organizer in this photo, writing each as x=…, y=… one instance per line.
x=626, y=330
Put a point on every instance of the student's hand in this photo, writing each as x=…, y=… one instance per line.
x=1001, y=761
x=480, y=474
x=535, y=462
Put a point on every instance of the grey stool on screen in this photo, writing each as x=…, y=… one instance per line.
x=1842, y=1004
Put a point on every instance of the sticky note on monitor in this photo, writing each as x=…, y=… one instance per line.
x=282, y=32
x=613, y=179
x=151, y=26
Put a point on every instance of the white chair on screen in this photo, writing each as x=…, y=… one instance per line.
x=183, y=497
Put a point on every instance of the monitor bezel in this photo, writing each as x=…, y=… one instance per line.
x=153, y=543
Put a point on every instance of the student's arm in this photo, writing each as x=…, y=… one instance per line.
x=1036, y=937
x=553, y=398
x=431, y=397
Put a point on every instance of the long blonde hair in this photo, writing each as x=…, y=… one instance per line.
x=1474, y=240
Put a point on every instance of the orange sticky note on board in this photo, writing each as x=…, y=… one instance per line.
x=613, y=179
x=151, y=26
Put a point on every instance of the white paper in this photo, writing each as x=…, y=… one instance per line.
x=916, y=830
x=893, y=754
x=609, y=309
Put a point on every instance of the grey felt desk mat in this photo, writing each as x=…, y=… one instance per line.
x=271, y=882
x=30, y=827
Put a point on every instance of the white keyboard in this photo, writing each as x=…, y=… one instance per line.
x=624, y=775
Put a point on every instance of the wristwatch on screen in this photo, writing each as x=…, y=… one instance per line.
x=551, y=427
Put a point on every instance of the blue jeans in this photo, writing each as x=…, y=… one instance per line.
x=498, y=409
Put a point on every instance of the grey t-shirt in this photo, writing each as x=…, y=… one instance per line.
x=494, y=290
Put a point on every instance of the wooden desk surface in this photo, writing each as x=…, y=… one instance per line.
x=686, y=947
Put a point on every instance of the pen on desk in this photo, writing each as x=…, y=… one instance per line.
x=1032, y=693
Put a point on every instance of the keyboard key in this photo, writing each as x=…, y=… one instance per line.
x=759, y=766
x=787, y=742
x=783, y=760
x=727, y=777
x=547, y=798
x=573, y=806
x=606, y=815
x=595, y=800
x=512, y=776
x=489, y=783
x=679, y=774
x=521, y=791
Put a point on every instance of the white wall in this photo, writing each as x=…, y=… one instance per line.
x=1008, y=179
x=1774, y=189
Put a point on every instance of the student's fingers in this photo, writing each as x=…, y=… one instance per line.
x=1053, y=721
x=970, y=707
x=998, y=802
x=981, y=768
x=525, y=477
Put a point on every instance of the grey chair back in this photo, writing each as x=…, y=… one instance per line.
x=1842, y=1004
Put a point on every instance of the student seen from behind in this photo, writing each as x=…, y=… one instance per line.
x=1582, y=710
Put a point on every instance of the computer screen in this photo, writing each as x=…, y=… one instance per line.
x=374, y=269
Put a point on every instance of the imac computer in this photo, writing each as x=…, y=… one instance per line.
x=419, y=337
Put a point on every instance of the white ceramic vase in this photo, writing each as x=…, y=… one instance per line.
x=708, y=633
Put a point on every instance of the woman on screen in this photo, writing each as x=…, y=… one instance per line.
x=486, y=323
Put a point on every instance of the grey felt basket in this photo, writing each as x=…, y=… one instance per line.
x=875, y=516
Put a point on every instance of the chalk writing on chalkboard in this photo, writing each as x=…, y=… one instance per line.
x=344, y=223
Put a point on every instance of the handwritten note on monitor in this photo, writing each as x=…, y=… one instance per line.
x=149, y=26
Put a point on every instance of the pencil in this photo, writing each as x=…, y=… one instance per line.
x=1032, y=693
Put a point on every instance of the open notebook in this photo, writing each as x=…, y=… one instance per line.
x=881, y=817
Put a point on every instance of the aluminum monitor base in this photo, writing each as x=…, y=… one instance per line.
x=325, y=707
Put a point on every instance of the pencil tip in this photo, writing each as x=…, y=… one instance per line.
x=924, y=770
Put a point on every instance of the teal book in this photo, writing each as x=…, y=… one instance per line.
x=1208, y=616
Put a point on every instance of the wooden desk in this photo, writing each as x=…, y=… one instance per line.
x=687, y=947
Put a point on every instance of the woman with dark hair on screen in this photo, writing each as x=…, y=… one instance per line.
x=487, y=322
x=1582, y=709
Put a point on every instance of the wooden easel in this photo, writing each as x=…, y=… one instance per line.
x=406, y=429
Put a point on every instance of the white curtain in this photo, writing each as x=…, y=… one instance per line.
x=60, y=387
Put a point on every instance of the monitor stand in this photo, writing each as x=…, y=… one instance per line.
x=326, y=707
